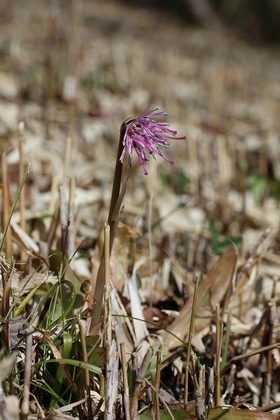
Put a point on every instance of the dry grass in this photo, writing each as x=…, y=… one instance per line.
x=73, y=73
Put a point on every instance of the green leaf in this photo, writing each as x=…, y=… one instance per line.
x=181, y=182
x=223, y=246
x=96, y=354
x=77, y=363
x=219, y=247
x=274, y=188
x=257, y=184
x=62, y=303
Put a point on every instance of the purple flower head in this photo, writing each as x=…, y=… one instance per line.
x=144, y=135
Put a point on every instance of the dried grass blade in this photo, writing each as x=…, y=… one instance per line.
x=138, y=320
x=156, y=412
x=190, y=344
x=5, y=212
x=125, y=382
x=21, y=175
x=8, y=220
x=27, y=374
x=112, y=370
x=107, y=294
x=87, y=377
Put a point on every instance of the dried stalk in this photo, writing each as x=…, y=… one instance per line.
x=218, y=356
x=107, y=294
x=111, y=387
x=150, y=248
x=199, y=388
x=125, y=382
x=189, y=346
x=156, y=412
x=63, y=216
x=140, y=376
x=21, y=174
x=6, y=217
x=87, y=377
x=6, y=284
x=6, y=207
x=200, y=406
x=71, y=219
x=27, y=375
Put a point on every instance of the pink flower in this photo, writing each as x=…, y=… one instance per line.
x=144, y=135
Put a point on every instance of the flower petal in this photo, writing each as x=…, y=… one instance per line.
x=143, y=134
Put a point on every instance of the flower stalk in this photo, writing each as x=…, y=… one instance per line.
x=144, y=136
x=114, y=208
x=117, y=179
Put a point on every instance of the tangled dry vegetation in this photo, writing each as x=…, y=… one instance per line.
x=192, y=281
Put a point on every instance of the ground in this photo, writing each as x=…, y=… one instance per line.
x=73, y=72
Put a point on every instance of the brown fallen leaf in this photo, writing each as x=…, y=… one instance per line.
x=217, y=413
x=156, y=318
x=212, y=290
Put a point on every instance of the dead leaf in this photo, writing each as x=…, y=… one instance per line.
x=211, y=291
x=7, y=365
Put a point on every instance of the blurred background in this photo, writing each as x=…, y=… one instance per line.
x=257, y=20
x=76, y=69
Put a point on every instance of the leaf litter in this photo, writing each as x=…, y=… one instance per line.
x=72, y=85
